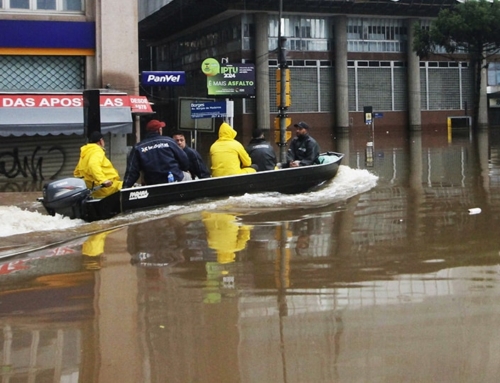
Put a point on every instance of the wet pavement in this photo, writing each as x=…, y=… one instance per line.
x=393, y=282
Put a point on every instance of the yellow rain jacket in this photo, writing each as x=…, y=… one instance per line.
x=224, y=235
x=95, y=168
x=228, y=156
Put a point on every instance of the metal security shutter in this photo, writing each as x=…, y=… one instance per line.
x=38, y=158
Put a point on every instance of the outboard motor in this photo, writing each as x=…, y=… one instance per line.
x=65, y=197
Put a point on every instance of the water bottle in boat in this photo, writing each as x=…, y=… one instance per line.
x=170, y=177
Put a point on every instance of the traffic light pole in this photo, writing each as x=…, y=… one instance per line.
x=283, y=98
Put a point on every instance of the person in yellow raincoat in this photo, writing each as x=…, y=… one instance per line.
x=96, y=169
x=224, y=235
x=228, y=156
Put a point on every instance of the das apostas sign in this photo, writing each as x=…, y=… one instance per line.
x=137, y=104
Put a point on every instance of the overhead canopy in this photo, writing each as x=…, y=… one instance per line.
x=63, y=114
x=43, y=121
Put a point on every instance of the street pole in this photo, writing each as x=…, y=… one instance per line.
x=283, y=96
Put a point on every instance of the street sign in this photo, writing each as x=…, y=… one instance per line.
x=229, y=80
x=168, y=78
x=208, y=109
x=378, y=115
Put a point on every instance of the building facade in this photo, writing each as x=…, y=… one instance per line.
x=343, y=56
x=50, y=52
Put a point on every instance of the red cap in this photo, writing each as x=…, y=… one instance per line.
x=155, y=125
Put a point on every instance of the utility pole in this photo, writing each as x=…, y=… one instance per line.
x=283, y=81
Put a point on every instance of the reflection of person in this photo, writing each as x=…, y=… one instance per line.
x=303, y=150
x=228, y=156
x=156, y=244
x=155, y=156
x=224, y=235
x=92, y=248
x=261, y=152
x=196, y=166
x=94, y=245
x=96, y=169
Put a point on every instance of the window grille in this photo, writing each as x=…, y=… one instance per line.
x=445, y=87
x=327, y=89
x=376, y=35
x=400, y=89
x=42, y=73
x=304, y=89
x=374, y=88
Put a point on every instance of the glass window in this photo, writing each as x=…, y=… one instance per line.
x=20, y=4
x=45, y=4
x=72, y=5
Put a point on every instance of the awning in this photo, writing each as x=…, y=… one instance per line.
x=63, y=114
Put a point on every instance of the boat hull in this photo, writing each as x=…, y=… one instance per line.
x=286, y=181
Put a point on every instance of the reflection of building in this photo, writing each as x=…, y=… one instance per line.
x=45, y=316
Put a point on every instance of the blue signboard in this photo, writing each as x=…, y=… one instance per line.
x=208, y=109
x=171, y=78
x=378, y=115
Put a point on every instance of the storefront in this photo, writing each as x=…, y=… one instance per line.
x=41, y=133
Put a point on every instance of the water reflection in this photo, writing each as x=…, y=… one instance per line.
x=379, y=284
x=46, y=308
x=156, y=244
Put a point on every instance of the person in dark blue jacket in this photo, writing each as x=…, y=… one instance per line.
x=155, y=156
x=197, y=167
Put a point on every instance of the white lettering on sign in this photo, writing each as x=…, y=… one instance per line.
x=136, y=100
x=56, y=101
x=112, y=101
x=138, y=195
x=167, y=78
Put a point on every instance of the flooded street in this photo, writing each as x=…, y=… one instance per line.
x=384, y=274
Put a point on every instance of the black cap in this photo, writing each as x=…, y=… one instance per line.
x=302, y=125
x=256, y=133
x=95, y=137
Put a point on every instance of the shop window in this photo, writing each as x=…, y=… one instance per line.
x=43, y=5
x=46, y=4
x=20, y=4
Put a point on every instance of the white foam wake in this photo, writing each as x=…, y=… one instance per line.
x=14, y=220
x=347, y=183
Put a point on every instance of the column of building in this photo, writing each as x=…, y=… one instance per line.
x=341, y=75
x=263, y=109
x=414, y=112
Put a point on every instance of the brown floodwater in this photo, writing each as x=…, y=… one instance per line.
x=398, y=281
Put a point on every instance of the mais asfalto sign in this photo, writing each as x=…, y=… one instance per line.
x=229, y=80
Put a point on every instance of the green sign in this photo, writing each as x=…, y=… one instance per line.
x=229, y=80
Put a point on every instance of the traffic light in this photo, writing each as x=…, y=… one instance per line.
x=288, y=99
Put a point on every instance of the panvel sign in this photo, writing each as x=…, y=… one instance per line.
x=229, y=80
x=163, y=78
x=138, y=104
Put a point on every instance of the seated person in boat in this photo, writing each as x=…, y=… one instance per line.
x=261, y=151
x=156, y=156
x=96, y=169
x=197, y=168
x=303, y=150
x=228, y=156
